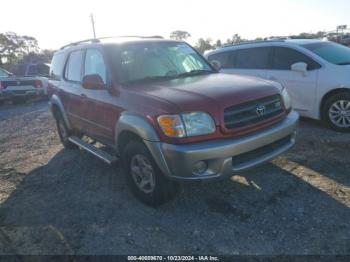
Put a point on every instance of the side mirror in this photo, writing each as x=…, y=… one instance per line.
x=216, y=64
x=300, y=67
x=93, y=82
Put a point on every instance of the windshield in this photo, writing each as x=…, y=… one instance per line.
x=3, y=73
x=156, y=61
x=332, y=52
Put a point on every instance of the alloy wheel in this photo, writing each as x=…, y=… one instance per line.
x=142, y=173
x=339, y=113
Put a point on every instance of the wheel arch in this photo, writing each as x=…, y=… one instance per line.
x=328, y=95
x=57, y=106
x=133, y=126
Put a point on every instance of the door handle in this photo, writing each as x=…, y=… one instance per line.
x=272, y=78
x=83, y=96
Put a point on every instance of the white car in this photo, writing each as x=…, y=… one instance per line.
x=316, y=74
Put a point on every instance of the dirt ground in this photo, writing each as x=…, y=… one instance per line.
x=55, y=201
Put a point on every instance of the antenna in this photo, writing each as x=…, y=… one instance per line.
x=93, y=24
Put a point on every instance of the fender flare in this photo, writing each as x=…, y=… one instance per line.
x=139, y=126
x=136, y=124
x=56, y=101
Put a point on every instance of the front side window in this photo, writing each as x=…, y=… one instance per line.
x=224, y=58
x=73, y=66
x=95, y=65
x=156, y=60
x=284, y=58
x=331, y=52
x=252, y=58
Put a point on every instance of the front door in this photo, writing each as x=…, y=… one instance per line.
x=100, y=104
x=300, y=86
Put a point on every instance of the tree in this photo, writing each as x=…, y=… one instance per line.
x=236, y=39
x=13, y=47
x=180, y=35
x=203, y=45
x=218, y=43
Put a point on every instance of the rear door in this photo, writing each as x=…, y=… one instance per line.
x=253, y=61
x=301, y=87
x=72, y=92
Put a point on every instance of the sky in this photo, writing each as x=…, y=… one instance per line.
x=58, y=22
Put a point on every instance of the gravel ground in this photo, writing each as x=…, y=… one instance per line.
x=54, y=201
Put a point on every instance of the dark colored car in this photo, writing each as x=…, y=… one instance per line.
x=166, y=112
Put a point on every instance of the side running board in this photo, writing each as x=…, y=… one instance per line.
x=103, y=155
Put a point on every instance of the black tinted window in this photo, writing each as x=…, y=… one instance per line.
x=56, y=66
x=223, y=58
x=73, y=67
x=284, y=58
x=252, y=58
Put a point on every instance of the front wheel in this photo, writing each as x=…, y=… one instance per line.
x=336, y=112
x=143, y=176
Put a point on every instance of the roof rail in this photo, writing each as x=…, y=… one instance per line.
x=92, y=40
x=255, y=42
x=97, y=40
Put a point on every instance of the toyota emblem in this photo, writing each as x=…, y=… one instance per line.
x=260, y=110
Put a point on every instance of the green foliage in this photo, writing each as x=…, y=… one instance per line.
x=204, y=44
x=180, y=35
x=18, y=50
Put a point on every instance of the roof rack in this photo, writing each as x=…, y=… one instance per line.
x=97, y=40
x=92, y=40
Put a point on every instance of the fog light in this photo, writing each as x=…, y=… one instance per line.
x=199, y=168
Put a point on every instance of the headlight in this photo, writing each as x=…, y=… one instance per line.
x=186, y=124
x=286, y=99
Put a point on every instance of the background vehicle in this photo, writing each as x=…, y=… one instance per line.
x=316, y=74
x=161, y=107
x=18, y=89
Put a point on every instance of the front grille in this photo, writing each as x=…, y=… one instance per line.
x=12, y=83
x=252, y=112
x=265, y=150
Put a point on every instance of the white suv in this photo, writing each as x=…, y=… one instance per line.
x=316, y=74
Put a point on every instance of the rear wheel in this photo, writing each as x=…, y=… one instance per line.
x=143, y=176
x=63, y=132
x=336, y=112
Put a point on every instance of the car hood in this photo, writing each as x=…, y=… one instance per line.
x=209, y=93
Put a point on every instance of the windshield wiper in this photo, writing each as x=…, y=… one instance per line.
x=148, y=79
x=193, y=73
x=344, y=63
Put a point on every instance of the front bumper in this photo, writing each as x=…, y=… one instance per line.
x=10, y=93
x=225, y=157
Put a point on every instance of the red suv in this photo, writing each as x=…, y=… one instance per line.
x=166, y=112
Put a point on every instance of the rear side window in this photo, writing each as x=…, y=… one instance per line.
x=73, y=66
x=252, y=58
x=56, y=66
x=223, y=58
x=284, y=58
x=95, y=65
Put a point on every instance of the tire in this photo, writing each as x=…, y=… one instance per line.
x=336, y=112
x=63, y=132
x=138, y=162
